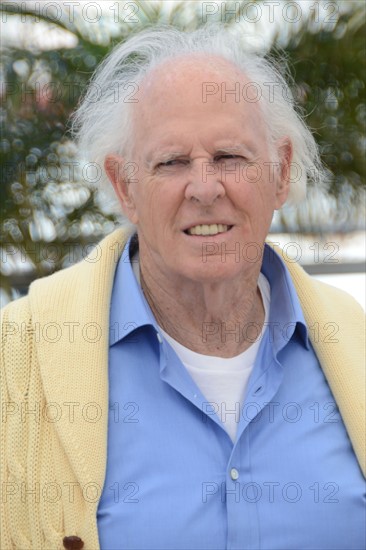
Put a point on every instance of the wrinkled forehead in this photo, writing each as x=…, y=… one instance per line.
x=199, y=81
x=198, y=74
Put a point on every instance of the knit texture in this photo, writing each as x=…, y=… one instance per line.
x=54, y=393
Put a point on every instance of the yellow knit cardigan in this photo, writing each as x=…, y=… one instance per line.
x=54, y=392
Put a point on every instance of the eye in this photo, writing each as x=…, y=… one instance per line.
x=172, y=163
x=219, y=158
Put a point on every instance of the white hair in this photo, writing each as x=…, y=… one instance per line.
x=102, y=122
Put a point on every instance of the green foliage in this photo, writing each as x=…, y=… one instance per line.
x=329, y=71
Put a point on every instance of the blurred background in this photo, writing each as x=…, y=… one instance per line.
x=52, y=212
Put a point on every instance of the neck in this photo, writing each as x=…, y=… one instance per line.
x=219, y=319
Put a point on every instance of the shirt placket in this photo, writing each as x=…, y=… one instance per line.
x=242, y=491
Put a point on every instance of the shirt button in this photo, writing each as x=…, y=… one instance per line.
x=159, y=338
x=234, y=474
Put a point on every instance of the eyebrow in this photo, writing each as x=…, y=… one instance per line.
x=173, y=154
x=237, y=148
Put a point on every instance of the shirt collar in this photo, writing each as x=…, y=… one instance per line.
x=129, y=309
x=285, y=312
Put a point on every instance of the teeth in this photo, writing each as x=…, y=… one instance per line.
x=212, y=229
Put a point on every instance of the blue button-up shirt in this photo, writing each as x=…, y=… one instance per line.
x=174, y=478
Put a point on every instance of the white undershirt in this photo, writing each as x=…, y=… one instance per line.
x=223, y=381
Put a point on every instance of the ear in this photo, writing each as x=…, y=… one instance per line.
x=284, y=150
x=117, y=169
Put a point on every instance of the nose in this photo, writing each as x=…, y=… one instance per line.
x=204, y=183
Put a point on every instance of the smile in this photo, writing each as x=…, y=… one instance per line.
x=209, y=230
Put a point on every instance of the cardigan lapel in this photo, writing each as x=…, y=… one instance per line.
x=337, y=332
x=71, y=317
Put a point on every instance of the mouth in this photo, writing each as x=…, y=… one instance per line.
x=208, y=230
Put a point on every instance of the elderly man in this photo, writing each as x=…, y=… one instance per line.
x=188, y=396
